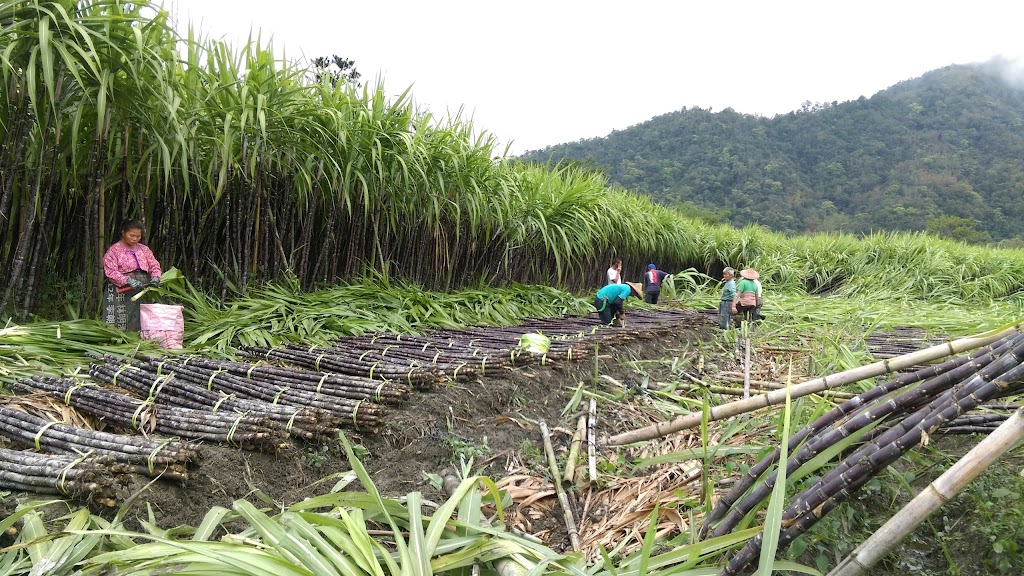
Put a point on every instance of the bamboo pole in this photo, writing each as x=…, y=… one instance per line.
x=592, y=441
x=814, y=386
x=574, y=449
x=936, y=494
x=563, y=500
x=746, y=366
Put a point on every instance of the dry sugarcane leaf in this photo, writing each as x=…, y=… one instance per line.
x=530, y=501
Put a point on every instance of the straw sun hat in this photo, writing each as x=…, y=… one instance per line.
x=749, y=274
x=636, y=288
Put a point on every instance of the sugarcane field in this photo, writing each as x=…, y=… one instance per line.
x=257, y=321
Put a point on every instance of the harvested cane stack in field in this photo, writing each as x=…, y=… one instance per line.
x=154, y=458
x=898, y=340
x=360, y=414
x=93, y=477
x=327, y=383
x=944, y=394
x=191, y=389
x=241, y=430
x=424, y=361
x=347, y=362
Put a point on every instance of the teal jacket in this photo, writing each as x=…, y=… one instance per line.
x=613, y=291
x=729, y=291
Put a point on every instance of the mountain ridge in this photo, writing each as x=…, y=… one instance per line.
x=942, y=153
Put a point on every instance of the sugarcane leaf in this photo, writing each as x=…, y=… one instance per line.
x=291, y=547
x=211, y=521
x=697, y=453
x=209, y=557
x=773, y=519
x=307, y=532
x=349, y=535
x=440, y=518
x=62, y=553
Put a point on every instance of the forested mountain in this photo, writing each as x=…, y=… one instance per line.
x=942, y=153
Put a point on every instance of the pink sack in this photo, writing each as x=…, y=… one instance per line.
x=164, y=323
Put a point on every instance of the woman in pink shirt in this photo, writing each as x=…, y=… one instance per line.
x=128, y=265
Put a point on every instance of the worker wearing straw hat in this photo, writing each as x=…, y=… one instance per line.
x=748, y=294
x=609, y=300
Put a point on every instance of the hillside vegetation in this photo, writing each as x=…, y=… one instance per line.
x=940, y=153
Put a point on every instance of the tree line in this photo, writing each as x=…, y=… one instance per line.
x=940, y=153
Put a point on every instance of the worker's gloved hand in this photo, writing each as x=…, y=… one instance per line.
x=134, y=283
x=155, y=280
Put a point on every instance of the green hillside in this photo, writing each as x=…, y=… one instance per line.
x=940, y=153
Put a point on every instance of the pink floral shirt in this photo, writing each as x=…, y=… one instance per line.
x=119, y=260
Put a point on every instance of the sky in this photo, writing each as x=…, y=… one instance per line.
x=537, y=73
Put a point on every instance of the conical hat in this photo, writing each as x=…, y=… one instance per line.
x=637, y=289
x=749, y=274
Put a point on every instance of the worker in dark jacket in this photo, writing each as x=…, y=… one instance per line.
x=652, y=283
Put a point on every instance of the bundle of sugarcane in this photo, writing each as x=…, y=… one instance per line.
x=452, y=355
x=390, y=360
x=328, y=383
x=361, y=414
x=447, y=357
x=899, y=340
x=567, y=343
x=167, y=458
x=1002, y=375
x=172, y=388
x=327, y=359
x=871, y=405
x=77, y=476
x=121, y=410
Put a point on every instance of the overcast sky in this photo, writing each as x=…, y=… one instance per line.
x=535, y=73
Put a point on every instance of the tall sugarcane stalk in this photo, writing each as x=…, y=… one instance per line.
x=932, y=497
x=812, y=387
x=843, y=421
x=1002, y=376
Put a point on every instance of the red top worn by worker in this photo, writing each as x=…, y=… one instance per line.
x=128, y=263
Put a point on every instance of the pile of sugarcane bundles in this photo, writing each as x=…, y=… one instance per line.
x=347, y=361
x=486, y=348
x=187, y=390
x=360, y=414
x=892, y=418
x=241, y=430
x=463, y=354
x=154, y=458
x=899, y=340
x=277, y=377
x=98, y=478
x=504, y=342
x=453, y=358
